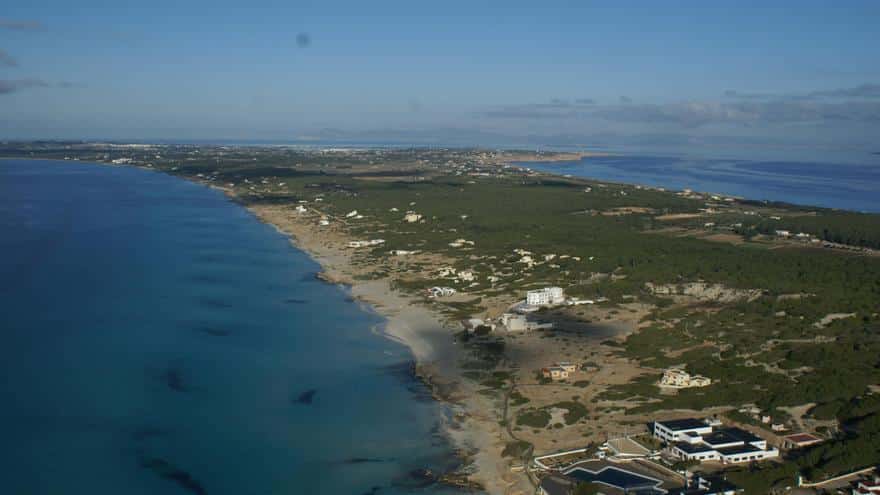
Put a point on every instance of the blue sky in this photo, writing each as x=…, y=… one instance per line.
x=794, y=72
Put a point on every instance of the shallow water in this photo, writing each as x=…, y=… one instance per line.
x=159, y=339
x=832, y=185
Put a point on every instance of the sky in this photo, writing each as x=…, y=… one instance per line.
x=799, y=73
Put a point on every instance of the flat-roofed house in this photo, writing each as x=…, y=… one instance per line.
x=676, y=430
x=727, y=445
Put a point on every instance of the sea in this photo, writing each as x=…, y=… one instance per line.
x=158, y=339
x=850, y=184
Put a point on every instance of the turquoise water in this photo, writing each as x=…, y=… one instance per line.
x=157, y=338
x=827, y=184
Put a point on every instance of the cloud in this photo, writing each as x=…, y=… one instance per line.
x=696, y=114
x=303, y=40
x=12, y=85
x=13, y=25
x=861, y=91
x=739, y=95
x=625, y=99
x=746, y=109
x=8, y=86
x=7, y=60
x=555, y=108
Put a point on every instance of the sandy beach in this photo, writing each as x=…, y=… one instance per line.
x=474, y=429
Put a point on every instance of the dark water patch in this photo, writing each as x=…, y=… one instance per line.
x=210, y=279
x=364, y=460
x=210, y=258
x=296, y=301
x=173, y=379
x=213, y=303
x=148, y=432
x=306, y=397
x=170, y=472
x=373, y=490
x=213, y=332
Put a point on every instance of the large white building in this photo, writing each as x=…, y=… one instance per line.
x=548, y=296
x=697, y=440
x=677, y=429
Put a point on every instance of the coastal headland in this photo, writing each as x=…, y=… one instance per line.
x=773, y=304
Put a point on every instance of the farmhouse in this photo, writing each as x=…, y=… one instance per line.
x=554, y=373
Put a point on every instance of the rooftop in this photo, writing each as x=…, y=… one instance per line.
x=683, y=424
x=802, y=438
x=730, y=435
x=739, y=449
x=694, y=448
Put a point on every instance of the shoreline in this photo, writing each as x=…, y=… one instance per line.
x=472, y=424
x=473, y=430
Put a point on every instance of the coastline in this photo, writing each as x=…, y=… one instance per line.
x=474, y=423
x=473, y=429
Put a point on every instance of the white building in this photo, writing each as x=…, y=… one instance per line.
x=412, y=217
x=460, y=243
x=697, y=440
x=440, y=292
x=548, y=296
x=514, y=322
x=518, y=323
x=371, y=242
x=678, y=378
x=351, y=214
x=676, y=430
